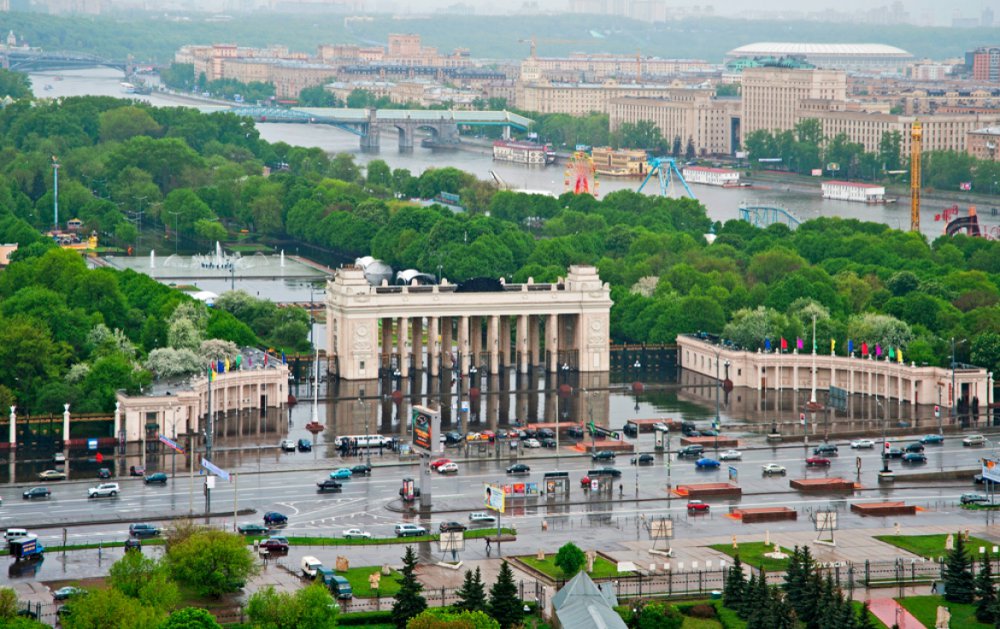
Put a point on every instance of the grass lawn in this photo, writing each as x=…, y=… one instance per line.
x=700, y=623
x=296, y=540
x=875, y=621
x=932, y=545
x=358, y=577
x=924, y=608
x=752, y=554
x=603, y=569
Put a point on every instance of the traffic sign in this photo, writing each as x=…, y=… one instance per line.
x=218, y=471
x=91, y=444
x=170, y=443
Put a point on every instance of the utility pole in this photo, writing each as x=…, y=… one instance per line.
x=55, y=192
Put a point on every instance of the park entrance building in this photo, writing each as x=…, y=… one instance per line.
x=482, y=324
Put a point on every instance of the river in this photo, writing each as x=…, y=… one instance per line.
x=721, y=203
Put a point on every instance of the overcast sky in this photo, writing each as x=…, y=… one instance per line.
x=940, y=12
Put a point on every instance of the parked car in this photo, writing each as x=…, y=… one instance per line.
x=362, y=469
x=932, y=439
x=862, y=444
x=275, y=544
x=273, y=518
x=287, y=445
x=817, y=461
x=643, y=459
x=410, y=530
x=575, y=431
x=357, y=534
x=731, y=455
x=304, y=445
x=452, y=437
x=103, y=473
x=825, y=448
x=914, y=457
x=448, y=468
x=452, y=526
x=482, y=517
x=914, y=447
x=531, y=443
x=67, y=592
x=706, y=463
x=518, y=468
x=252, y=528
x=773, y=468
x=603, y=455
x=158, y=477
x=969, y=499
x=36, y=492
x=52, y=475
x=436, y=463
x=136, y=470
x=692, y=450
x=329, y=485
x=697, y=506
x=103, y=490
x=341, y=473
x=143, y=530
x=549, y=442
x=973, y=440
x=544, y=433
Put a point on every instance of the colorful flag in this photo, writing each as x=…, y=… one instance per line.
x=784, y=344
x=864, y=348
x=833, y=346
x=284, y=360
x=798, y=343
x=767, y=344
x=239, y=360
x=220, y=368
x=211, y=373
x=899, y=356
x=965, y=185
x=227, y=364
x=265, y=359
x=878, y=350
x=850, y=346
x=892, y=353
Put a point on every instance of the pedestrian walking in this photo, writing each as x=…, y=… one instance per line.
x=621, y=490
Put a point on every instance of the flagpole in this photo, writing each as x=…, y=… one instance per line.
x=315, y=408
x=208, y=447
x=812, y=399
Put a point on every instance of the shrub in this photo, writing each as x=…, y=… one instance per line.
x=702, y=610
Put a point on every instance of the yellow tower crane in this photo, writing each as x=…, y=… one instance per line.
x=916, y=137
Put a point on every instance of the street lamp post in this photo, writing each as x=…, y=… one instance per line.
x=368, y=450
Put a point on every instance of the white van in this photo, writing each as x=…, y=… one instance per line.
x=310, y=565
x=14, y=534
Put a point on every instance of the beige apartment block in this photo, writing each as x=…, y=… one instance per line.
x=443, y=326
x=580, y=99
x=606, y=66
x=711, y=123
x=983, y=143
x=772, y=96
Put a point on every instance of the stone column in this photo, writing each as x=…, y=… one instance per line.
x=434, y=345
x=446, y=346
x=833, y=375
x=386, y=342
x=493, y=345
x=534, y=341
x=476, y=340
x=417, y=343
x=552, y=342
x=65, y=426
x=402, y=346
x=505, y=341
x=522, y=344
x=463, y=343
x=12, y=426
x=795, y=372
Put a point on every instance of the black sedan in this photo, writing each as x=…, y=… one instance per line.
x=273, y=518
x=643, y=459
x=36, y=492
x=252, y=528
x=452, y=526
x=329, y=485
x=518, y=468
x=603, y=455
x=894, y=453
x=549, y=442
x=362, y=470
x=304, y=445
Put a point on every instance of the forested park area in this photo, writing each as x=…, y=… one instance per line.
x=73, y=334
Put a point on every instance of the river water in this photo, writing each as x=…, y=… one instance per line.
x=721, y=203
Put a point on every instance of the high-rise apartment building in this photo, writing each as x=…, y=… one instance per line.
x=986, y=63
x=772, y=96
x=711, y=124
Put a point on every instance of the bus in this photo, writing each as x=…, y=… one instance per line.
x=363, y=441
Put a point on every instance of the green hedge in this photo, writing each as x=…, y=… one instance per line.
x=361, y=619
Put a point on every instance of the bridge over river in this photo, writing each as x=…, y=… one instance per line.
x=368, y=124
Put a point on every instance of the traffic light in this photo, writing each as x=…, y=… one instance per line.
x=937, y=412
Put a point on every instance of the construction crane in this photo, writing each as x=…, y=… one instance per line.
x=916, y=137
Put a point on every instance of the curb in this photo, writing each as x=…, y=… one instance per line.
x=143, y=518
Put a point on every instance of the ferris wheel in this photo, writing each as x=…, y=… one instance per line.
x=581, y=174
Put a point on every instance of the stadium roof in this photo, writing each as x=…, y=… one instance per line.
x=847, y=50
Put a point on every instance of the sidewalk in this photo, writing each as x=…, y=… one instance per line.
x=892, y=613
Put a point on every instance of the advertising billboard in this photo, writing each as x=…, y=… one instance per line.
x=493, y=497
x=991, y=470
x=426, y=424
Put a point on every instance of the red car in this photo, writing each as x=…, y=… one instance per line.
x=275, y=544
x=436, y=463
x=817, y=461
x=697, y=506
